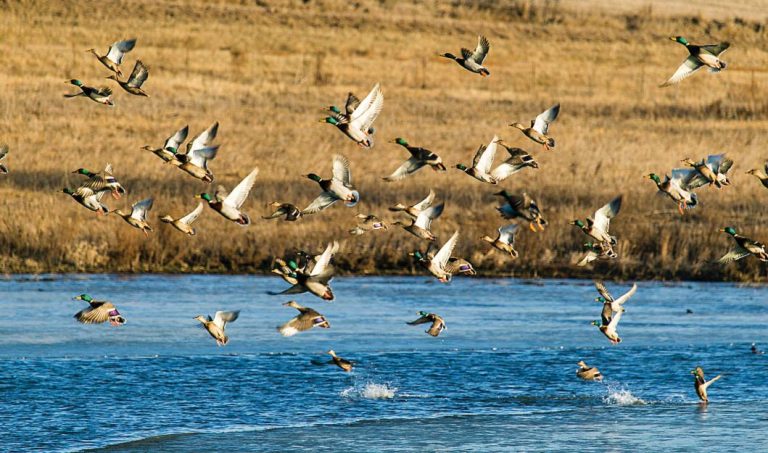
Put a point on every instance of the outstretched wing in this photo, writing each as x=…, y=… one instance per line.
x=341, y=169
x=481, y=51
x=221, y=318
x=716, y=49
x=625, y=297
x=352, y=103
x=734, y=254
x=409, y=166
x=425, y=217
x=507, y=233
x=484, y=160
x=604, y=215
x=140, y=209
x=422, y=320
x=118, y=50
x=603, y=291
x=541, y=123
x=138, y=75
x=192, y=216
x=238, y=195
x=205, y=138
x=201, y=156
x=688, y=178
x=686, y=69
x=441, y=257
x=3, y=151
x=615, y=320
x=365, y=113
x=427, y=202
x=324, y=260
x=323, y=201
x=174, y=141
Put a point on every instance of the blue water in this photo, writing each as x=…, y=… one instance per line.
x=500, y=378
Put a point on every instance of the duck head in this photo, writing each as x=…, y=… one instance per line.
x=76, y=82
x=679, y=39
x=596, y=323
x=330, y=120
x=461, y=167
x=578, y=223
x=314, y=177
x=201, y=318
x=449, y=55
x=728, y=230
x=600, y=299
x=334, y=109
x=518, y=126
x=204, y=196
x=654, y=177
x=83, y=171
x=400, y=141
x=83, y=297
x=68, y=191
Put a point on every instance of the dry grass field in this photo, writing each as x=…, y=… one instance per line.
x=265, y=69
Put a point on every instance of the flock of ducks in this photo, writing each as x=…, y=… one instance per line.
x=305, y=272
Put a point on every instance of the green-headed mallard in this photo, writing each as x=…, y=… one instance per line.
x=438, y=264
x=291, y=212
x=344, y=364
x=597, y=251
x=101, y=95
x=598, y=227
x=339, y=187
x=473, y=61
x=358, y=124
x=367, y=223
x=744, y=247
x=699, y=56
x=135, y=80
x=305, y=320
x=3, y=153
x=199, y=151
x=350, y=106
x=416, y=209
x=674, y=188
x=99, y=183
x=523, y=207
x=184, y=224
x=215, y=326
x=316, y=279
x=482, y=162
x=608, y=325
x=540, y=127
x=711, y=170
x=588, y=373
x=114, y=56
x=421, y=226
x=88, y=198
x=137, y=217
x=761, y=174
x=171, y=146
x=228, y=204
x=420, y=157
x=100, y=311
x=610, y=304
x=700, y=384
x=505, y=239
x=438, y=324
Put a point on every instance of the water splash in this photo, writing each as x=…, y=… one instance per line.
x=621, y=396
x=370, y=390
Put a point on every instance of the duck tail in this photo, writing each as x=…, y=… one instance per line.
x=694, y=201
x=356, y=231
x=244, y=220
x=551, y=142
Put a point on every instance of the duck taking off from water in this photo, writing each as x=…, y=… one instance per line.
x=588, y=373
x=344, y=364
x=608, y=301
x=473, y=61
x=438, y=324
x=358, y=125
x=215, y=326
x=115, y=54
x=539, y=129
x=608, y=325
x=228, y=204
x=100, y=311
x=700, y=384
x=742, y=248
x=698, y=57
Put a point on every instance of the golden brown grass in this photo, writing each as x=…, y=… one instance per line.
x=265, y=69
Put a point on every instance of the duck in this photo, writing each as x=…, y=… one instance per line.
x=459, y=265
x=539, y=129
x=482, y=162
x=101, y=95
x=421, y=226
x=437, y=264
x=137, y=217
x=3, y=153
x=598, y=227
x=135, y=80
x=344, y=364
x=761, y=174
x=588, y=373
x=305, y=320
x=473, y=61
x=315, y=280
x=711, y=170
x=518, y=159
x=115, y=54
x=755, y=350
x=438, y=323
x=743, y=247
x=523, y=206
x=228, y=204
x=597, y=251
x=88, y=198
x=358, y=124
x=349, y=108
x=287, y=210
x=608, y=301
x=420, y=157
x=673, y=187
x=106, y=183
x=414, y=210
x=339, y=187
x=701, y=385
x=366, y=223
x=608, y=325
x=184, y=224
x=199, y=151
x=99, y=311
x=171, y=147
x=698, y=57
x=505, y=239
x=216, y=325
x=287, y=270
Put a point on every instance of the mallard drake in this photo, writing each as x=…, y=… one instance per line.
x=522, y=206
x=673, y=187
x=438, y=324
x=517, y=160
x=171, y=146
x=88, y=198
x=437, y=264
x=358, y=124
x=305, y=320
x=698, y=57
x=291, y=212
x=3, y=153
x=700, y=384
x=710, y=171
x=420, y=157
x=540, y=127
x=609, y=303
x=473, y=61
x=339, y=187
x=106, y=183
x=482, y=162
x=597, y=251
x=420, y=227
x=744, y=247
x=135, y=80
x=100, y=95
x=598, y=227
x=608, y=325
x=588, y=373
x=115, y=54
x=761, y=174
x=184, y=224
x=416, y=209
x=100, y=311
x=367, y=223
x=199, y=152
x=228, y=204
x=316, y=279
x=349, y=108
x=344, y=364
x=215, y=326
x=505, y=239
x=137, y=217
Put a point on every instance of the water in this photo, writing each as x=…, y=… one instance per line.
x=500, y=378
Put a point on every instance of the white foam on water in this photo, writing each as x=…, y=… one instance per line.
x=621, y=397
x=370, y=390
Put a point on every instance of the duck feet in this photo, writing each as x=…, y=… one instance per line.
x=532, y=227
x=680, y=207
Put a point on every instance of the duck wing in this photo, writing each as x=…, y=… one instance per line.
x=352, y=103
x=425, y=217
x=370, y=107
x=507, y=233
x=3, y=151
x=192, y=216
x=441, y=257
x=408, y=167
x=422, y=320
x=200, y=156
x=322, y=262
x=604, y=215
x=221, y=318
x=716, y=49
x=625, y=297
x=324, y=200
x=238, y=195
x=118, y=50
x=140, y=209
x=736, y=253
x=205, y=139
x=541, y=123
x=603, y=291
x=484, y=156
x=427, y=202
x=480, y=52
x=138, y=75
x=97, y=313
x=340, y=168
x=689, y=66
x=174, y=141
